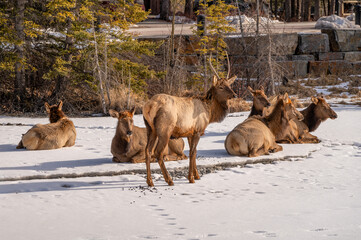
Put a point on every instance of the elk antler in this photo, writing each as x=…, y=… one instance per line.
x=210, y=63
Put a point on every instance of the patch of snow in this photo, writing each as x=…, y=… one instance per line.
x=181, y=20
x=334, y=22
x=248, y=20
x=301, y=198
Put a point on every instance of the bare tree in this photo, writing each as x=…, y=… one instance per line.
x=288, y=10
x=165, y=9
x=19, y=84
x=98, y=71
x=188, y=8
x=306, y=10
x=317, y=9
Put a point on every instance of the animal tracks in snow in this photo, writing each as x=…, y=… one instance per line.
x=265, y=234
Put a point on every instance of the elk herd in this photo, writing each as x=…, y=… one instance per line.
x=168, y=119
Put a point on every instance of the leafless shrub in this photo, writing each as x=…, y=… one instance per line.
x=119, y=100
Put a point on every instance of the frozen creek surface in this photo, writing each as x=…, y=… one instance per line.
x=314, y=194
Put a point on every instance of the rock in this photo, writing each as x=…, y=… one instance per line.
x=312, y=43
x=286, y=44
x=344, y=40
x=353, y=56
x=330, y=56
x=334, y=22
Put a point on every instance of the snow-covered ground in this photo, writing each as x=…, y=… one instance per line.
x=314, y=194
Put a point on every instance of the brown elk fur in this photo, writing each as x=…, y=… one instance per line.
x=129, y=142
x=166, y=116
x=260, y=101
x=289, y=134
x=60, y=132
x=317, y=112
x=256, y=135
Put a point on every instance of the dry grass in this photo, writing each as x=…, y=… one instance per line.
x=336, y=90
x=295, y=88
x=238, y=105
x=297, y=103
x=326, y=80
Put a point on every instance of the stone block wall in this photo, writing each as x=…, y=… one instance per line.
x=299, y=54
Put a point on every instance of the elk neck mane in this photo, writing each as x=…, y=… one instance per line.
x=55, y=117
x=217, y=110
x=310, y=118
x=274, y=115
x=255, y=112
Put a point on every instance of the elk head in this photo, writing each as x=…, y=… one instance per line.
x=260, y=99
x=55, y=113
x=125, y=123
x=322, y=109
x=291, y=110
x=221, y=87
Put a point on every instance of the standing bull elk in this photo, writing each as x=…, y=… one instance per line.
x=60, y=132
x=168, y=116
x=129, y=142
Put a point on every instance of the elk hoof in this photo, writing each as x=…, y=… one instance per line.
x=150, y=183
x=170, y=183
x=191, y=179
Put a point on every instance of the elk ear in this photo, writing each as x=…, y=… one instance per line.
x=250, y=90
x=47, y=107
x=231, y=80
x=261, y=88
x=314, y=100
x=132, y=111
x=214, y=81
x=113, y=113
x=285, y=97
x=60, y=105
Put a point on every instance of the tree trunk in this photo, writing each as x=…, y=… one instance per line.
x=293, y=9
x=100, y=77
x=287, y=10
x=317, y=10
x=324, y=8
x=306, y=10
x=276, y=9
x=331, y=7
x=19, y=84
x=164, y=10
x=298, y=11
x=147, y=4
x=188, y=9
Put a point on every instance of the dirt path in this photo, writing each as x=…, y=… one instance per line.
x=156, y=27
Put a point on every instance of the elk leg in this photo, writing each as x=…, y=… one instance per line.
x=193, y=172
x=163, y=139
x=148, y=152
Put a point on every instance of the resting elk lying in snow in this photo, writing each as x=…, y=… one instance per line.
x=168, y=116
x=317, y=112
x=129, y=142
x=290, y=133
x=60, y=132
x=260, y=101
x=256, y=135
